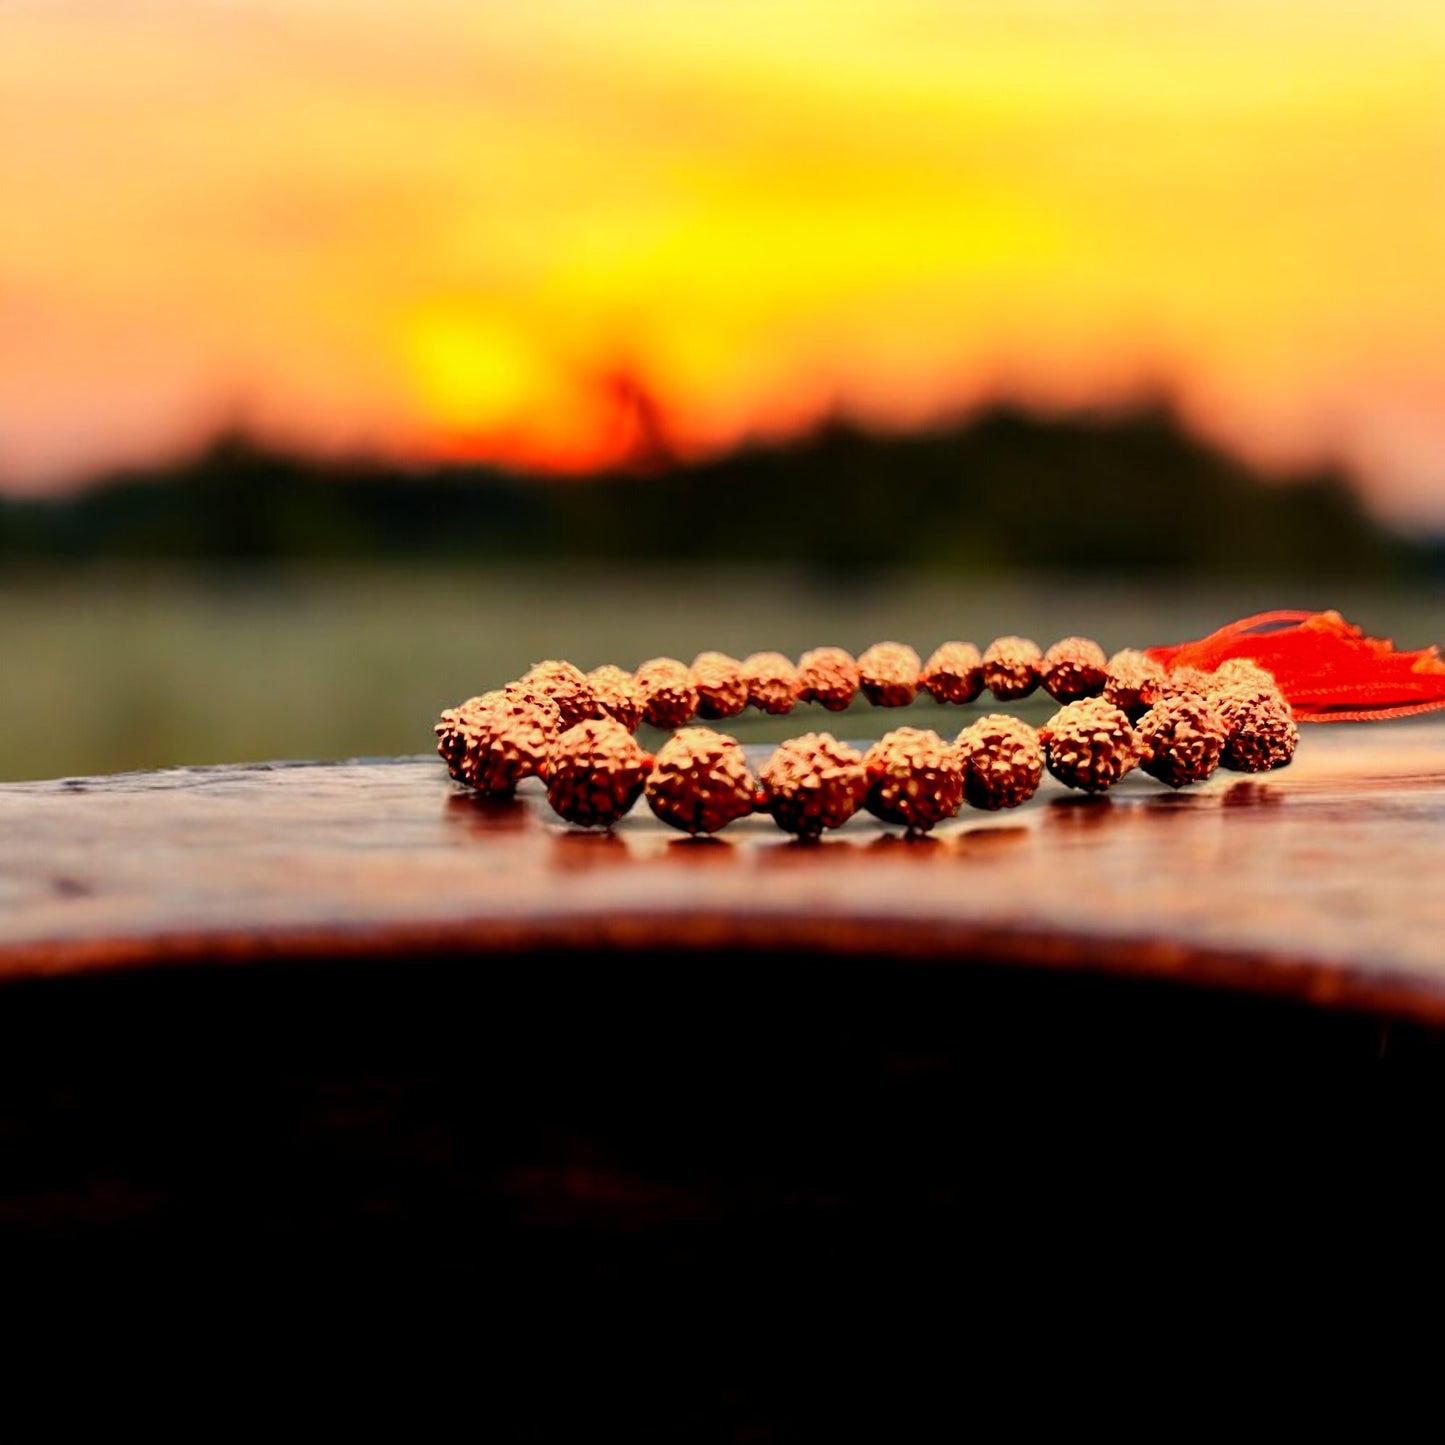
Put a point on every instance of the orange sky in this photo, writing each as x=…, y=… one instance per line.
x=441, y=225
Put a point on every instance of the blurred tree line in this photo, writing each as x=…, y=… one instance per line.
x=1131, y=493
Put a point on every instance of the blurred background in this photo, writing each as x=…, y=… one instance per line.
x=355, y=355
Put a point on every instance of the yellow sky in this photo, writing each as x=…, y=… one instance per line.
x=442, y=227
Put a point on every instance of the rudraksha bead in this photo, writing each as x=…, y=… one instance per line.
x=1011, y=667
x=813, y=782
x=828, y=675
x=504, y=741
x=1089, y=744
x=566, y=685
x=1072, y=668
x=1262, y=730
x=722, y=690
x=1235, y=671
x=913, y=779
x=1181, y=739
x=669, y=694
x=1000, y=761
x=700, y=781
x=954, y=673
x=1186, y=682
x=888, y=674
x=451, y=730
x=772, y=681
x=618, y=695
x=595, y=772
x=1133, y=681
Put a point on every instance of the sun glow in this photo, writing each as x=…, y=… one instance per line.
x=474, y=375
x=553, y=234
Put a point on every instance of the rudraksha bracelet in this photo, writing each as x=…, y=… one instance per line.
x=574, y=731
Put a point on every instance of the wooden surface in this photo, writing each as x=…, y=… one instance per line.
x=1320, y=882
x=733, y=1141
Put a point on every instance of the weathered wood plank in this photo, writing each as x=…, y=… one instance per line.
x=459, y=1090
x=1319, y=882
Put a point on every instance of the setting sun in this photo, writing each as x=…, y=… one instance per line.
x=449, y=229
x=475, y=377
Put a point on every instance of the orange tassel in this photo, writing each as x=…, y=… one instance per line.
x=1327, y=668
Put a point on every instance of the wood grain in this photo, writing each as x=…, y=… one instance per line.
x=1319, y=882
x=605, y=1128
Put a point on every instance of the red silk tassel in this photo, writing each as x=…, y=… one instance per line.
x=1327, y=668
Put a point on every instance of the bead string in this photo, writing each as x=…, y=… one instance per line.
x=574, y=731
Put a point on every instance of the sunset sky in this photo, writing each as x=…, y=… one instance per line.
x=442, y=228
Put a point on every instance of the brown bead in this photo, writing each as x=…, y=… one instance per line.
x=1089, y=744
x=1011, y=667
x=888, y=674
x=451, y=730
x=813, y=782
x=618, y=695
x=503, y=740
x=722, y=690
x=954, y=673
x=772, y=681
x=1185, y=682
x=700, y=781
x=1246, y=670
x=595, y=772
x=1181, y=739
x=449, y=738
x=566, y=685
x=1133, y=681
x=1072, y=668
x=1262, y=730
x=827, y=675
x=914, y=779
x=1000, y=761
x=669, y=693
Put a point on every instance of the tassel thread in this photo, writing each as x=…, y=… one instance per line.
x=1328, y=670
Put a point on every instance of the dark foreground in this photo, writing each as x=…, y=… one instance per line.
x=552, y=1115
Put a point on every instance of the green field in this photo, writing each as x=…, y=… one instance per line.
x=116, y=669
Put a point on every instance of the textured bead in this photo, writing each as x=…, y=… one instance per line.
x=618, y=695
x=827, y=675
x=1187, y=682
x=1246, y=670
x=566, y=685
x=772, y=681
x=888, y=674
x=954, y=673
x=1133, y=681
x=1011, y=667
x=1181, y=739
x=913, y=778
x=1089, y=744
x=813, y=782
x=700, y=781
x=669, y=694
x=595, y=772
x=722, y=690
x=1000, y=761
x=451, y=730
x=504, y=740
x=1262, y=731
x=1072, y=668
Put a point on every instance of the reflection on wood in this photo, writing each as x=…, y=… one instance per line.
x=482, y=1079
x=1314, y=882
